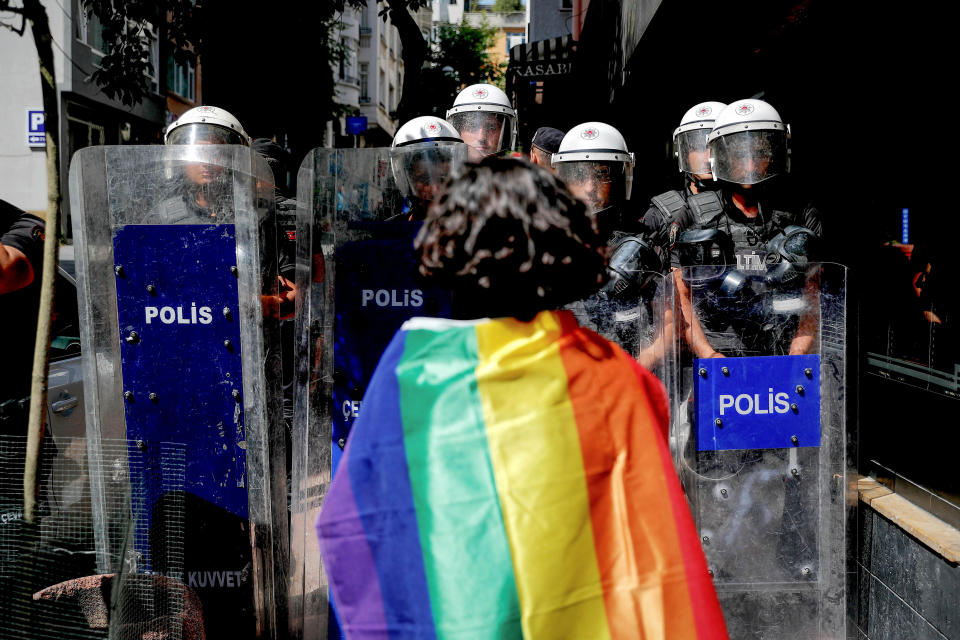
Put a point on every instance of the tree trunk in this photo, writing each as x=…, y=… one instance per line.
x=414, y=53
x=40, y=27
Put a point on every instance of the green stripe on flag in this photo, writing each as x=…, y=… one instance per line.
x=465, y=550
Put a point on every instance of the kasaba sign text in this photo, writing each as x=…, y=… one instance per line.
x=549, y=69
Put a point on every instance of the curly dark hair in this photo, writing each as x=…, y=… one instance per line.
x=510, y=240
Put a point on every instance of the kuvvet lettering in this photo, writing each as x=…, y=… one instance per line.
x=392, y=297
x=215, y=579
x=179, y=315
x=756, y=404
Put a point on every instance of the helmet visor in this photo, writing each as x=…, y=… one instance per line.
x=749, y=157
x=204, y=133
x=421, y=170
x=486, y=132
x=692, y=151
x=599, y=184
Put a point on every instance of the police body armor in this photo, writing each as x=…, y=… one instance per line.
x=743, y=321
x=175, y=256
x=628, y=309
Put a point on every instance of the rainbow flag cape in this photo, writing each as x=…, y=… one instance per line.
x=511, y=479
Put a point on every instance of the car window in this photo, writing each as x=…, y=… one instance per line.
x=65, y=332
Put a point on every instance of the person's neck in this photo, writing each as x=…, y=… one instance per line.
x=740, y=202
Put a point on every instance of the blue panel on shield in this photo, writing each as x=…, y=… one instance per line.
x=377, y=291
x=178, y=312
x=770, y=402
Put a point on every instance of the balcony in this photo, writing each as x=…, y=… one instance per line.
x=365, y=100
x=365, y=31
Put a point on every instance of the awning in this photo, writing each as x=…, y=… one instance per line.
x=541, y=59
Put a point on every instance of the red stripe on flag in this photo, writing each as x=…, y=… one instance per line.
x=639, y=549
x=710, y=624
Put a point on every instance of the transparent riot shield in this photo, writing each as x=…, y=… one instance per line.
x=639, y=319
x=178, y=296
x=359, y=211
x=759, y=438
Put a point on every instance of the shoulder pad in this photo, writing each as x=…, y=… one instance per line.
x=670, y=204
x=705, y=207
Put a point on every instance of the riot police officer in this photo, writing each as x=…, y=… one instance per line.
x=594, y=162
x=423, y=151
x=668, y=214
x=203, y=192
x=754, y=207
x=485, y=120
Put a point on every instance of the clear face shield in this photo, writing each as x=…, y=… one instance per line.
x=485, y=132
x=692, y=152
x=599, y=184
x=420, y=170
x=749, y=157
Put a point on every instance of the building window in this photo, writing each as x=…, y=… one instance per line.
x=566, y=5
x=364, y=82
x=392, y=107
x=154, y=78
x=364, y=41
x=181, y=79
x=514, y=39
x=89, y=30
x=382, y=88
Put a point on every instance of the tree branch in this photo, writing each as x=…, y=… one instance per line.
x=414, y=54
x=42, y=38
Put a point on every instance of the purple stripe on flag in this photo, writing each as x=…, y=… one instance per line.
x=346, y=552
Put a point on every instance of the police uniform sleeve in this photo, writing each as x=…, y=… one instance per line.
x=653, y=227
x=23, y=231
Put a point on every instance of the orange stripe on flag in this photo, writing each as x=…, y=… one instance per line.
x=706, y=607
x=639, y=540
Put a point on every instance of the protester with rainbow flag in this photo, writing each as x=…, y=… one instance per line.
x=509, y=475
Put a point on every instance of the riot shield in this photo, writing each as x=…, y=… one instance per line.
x=759, y=439
x=641, y=320
x=178, y=296
x=358, y=213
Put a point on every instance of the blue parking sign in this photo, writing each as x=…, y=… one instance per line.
x=36, y=128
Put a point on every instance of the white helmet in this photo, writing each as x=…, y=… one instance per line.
x=486, y=120
x=206, y=124
x=594, y=152
x=424, y=151
x=748, y=143
x=691, y=137
x=425, y=131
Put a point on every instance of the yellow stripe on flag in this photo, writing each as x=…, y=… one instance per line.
x=538, y=468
